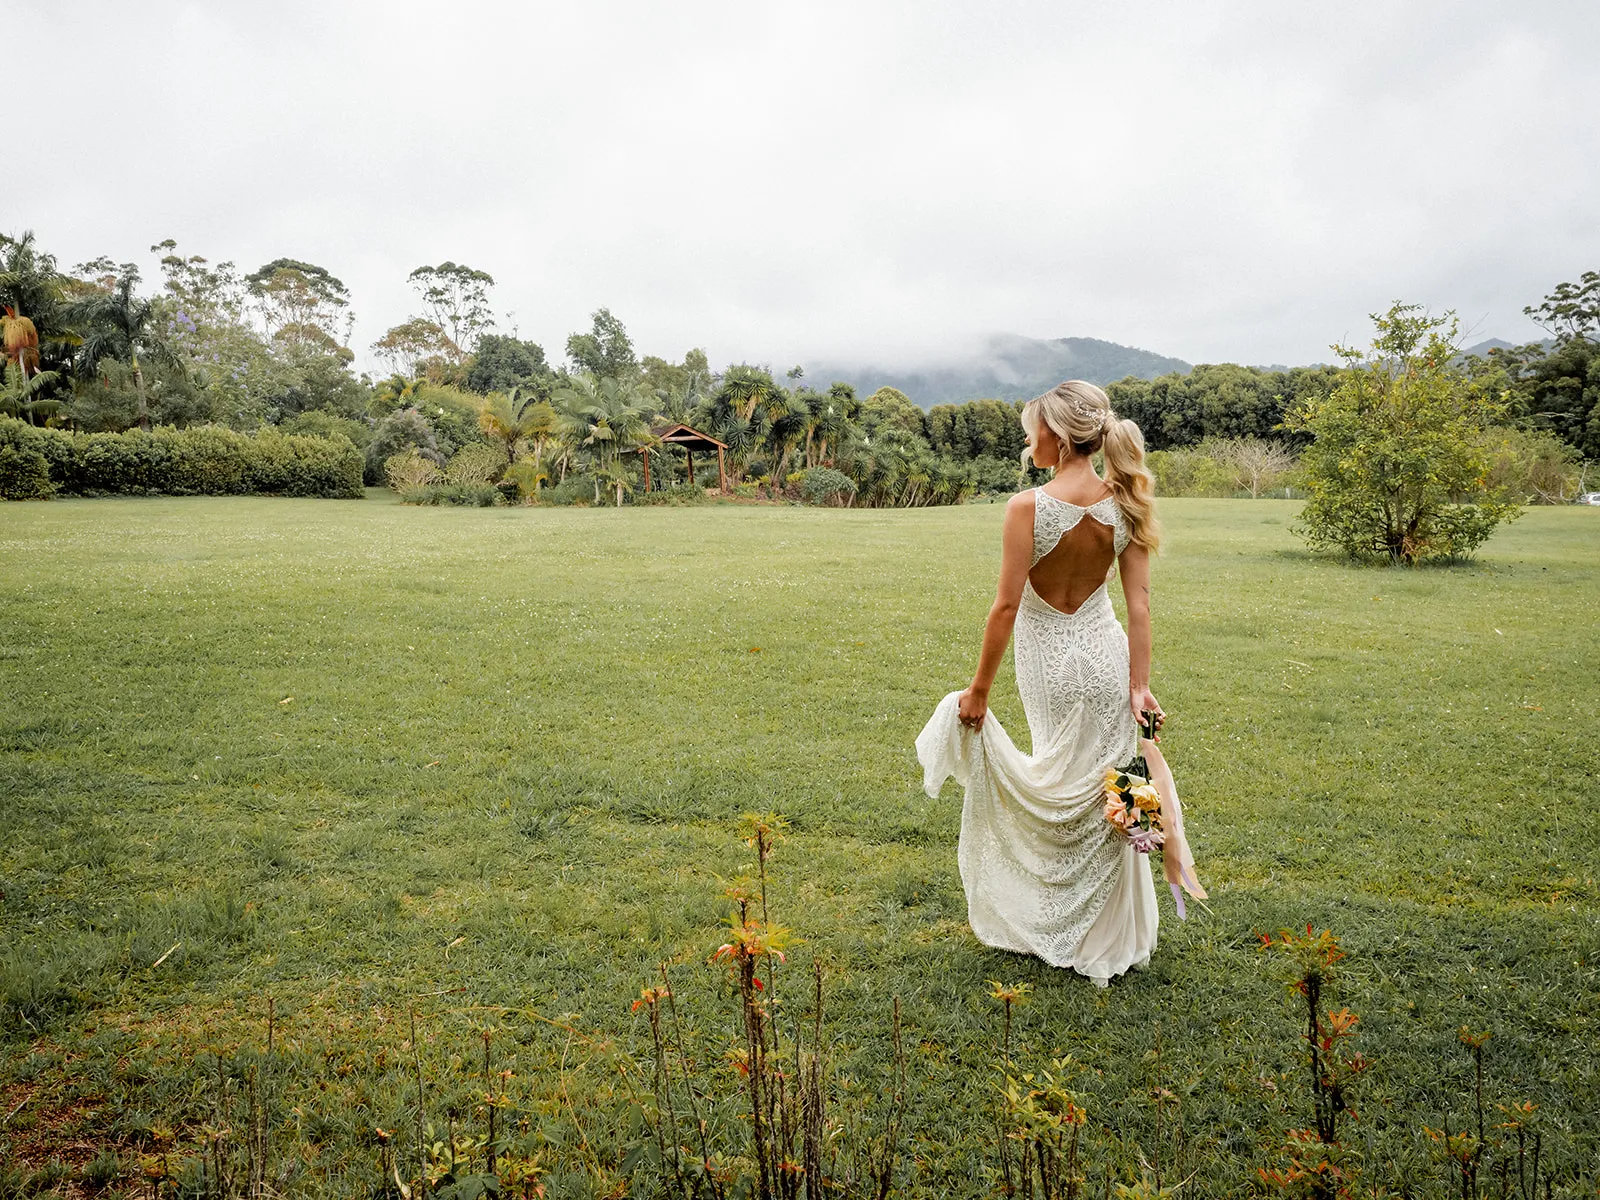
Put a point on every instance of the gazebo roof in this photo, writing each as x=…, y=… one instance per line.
x=689, y=439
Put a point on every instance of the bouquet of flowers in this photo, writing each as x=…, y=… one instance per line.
x=1133, y=806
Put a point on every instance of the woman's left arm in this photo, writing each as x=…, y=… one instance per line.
x=1136, y=592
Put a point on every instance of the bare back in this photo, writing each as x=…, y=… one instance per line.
x=1073, y=557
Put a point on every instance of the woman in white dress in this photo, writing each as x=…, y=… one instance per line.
x=1044, y=871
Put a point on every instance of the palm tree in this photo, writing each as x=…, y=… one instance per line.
x=788, y=429
x=605, y=414
x=25, y=395
x=119, y=325
x=21, y=341
x=745, y=389
x=831, y=426
x=742, y=413
x=35, y=334
x=393, y=394
x=512, y=417
x=614, y=475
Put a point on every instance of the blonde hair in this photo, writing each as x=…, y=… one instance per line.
x=1080, y=415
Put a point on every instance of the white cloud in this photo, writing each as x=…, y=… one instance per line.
x=826, y=181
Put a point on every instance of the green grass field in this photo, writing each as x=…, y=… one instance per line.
x=359, y=757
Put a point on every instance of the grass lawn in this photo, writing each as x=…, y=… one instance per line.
x=488, y=764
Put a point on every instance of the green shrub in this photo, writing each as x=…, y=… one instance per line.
x=405, y=429
x=468, y=495
x=409, y=471
x=294, y=465
x=24, y=475
x=204, y=460
x=675, y=496
x=1190, y=471
x=320, y=423
x=56, y=445
x=1399, y=468
x=1533, y=466
x=526, y=475
x=116, y=462
x=476, y=462
x=824, y=485
x=575, y=489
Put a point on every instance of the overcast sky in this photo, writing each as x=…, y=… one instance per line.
x=842, y=181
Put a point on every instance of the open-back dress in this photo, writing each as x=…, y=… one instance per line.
x=1044, y=872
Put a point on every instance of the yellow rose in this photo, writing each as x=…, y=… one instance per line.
x=1147, y=798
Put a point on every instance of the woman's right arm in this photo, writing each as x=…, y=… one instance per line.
x=1136, y=592
x=1016, y=554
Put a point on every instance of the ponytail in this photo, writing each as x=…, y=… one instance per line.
x=1130, y=480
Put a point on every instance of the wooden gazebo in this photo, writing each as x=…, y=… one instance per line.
x=690, y=440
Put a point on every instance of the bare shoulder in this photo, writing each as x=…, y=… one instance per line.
x=1022, y=502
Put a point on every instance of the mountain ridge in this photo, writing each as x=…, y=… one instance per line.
x=1007, y=367
x=1010, y=366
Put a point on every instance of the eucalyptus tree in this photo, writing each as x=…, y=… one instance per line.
x=606, y=351
x=410, y=347
x=118, y=324
x=300, y=301
x=457, y=298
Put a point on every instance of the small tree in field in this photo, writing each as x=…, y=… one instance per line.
x=1399, y=468
x=1256, y=463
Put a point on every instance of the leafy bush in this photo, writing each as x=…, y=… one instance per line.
x=1534, y=466
x=575, y=489
x=1398, y=471
x=320, y=423
x=991, y=474
x=295, y=465
x=399, y=431
x=453, y=413
x=409, y=471
x=675, y=496
x=204, y=460
x=476, y=462
x=24, y=475
x=469, y=495
x=1189, y=472
x=527, y=475
x=824, y=485
x=57, y=446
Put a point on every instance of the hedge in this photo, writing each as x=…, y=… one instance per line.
x=203, y=460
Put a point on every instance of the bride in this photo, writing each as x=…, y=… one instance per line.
x=1044, y=871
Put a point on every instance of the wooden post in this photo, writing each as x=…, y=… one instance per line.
x=690, y=454
x=722, y=474
x=645, y=452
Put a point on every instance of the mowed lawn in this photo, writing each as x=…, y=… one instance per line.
x=363, y=758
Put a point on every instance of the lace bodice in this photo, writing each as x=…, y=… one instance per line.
x=1053, y=519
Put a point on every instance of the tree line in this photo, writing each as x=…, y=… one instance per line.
x=91, y=349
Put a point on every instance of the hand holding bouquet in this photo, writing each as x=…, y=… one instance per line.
x=1133, y=805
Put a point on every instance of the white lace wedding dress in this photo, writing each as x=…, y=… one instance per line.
x=1044, y=871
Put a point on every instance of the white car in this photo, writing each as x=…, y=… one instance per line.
x=1588, y=498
